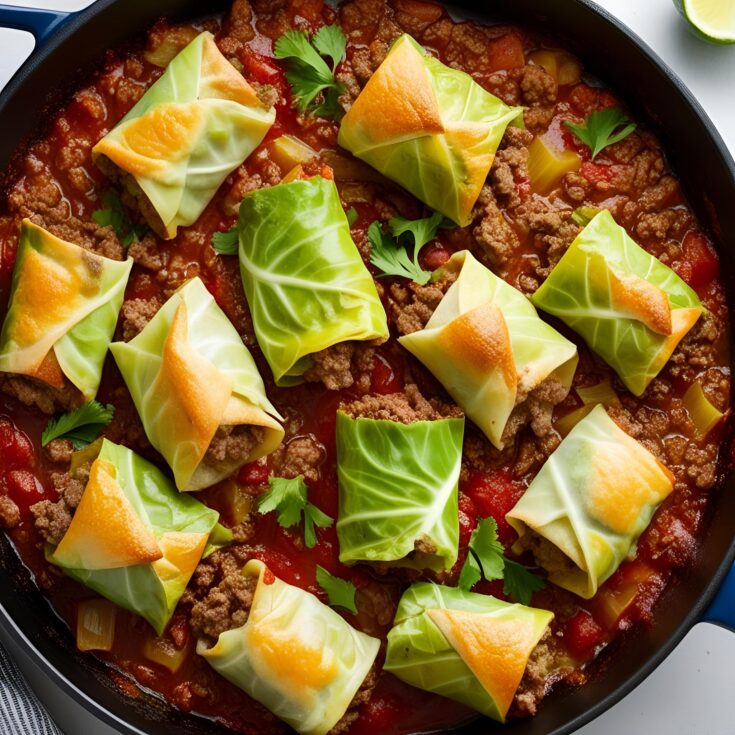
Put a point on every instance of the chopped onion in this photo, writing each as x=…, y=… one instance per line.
x=237, y=500
x=95, y=625
x=560, y=64
x=566, y=423
x=163, y=651
x=611, y=604
x=85, y=456
x=289, y=152
x=547, y=166
x=601, y=393
x=703, y=414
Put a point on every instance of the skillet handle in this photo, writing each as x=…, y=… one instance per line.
x=41, y=23
x=722, y=609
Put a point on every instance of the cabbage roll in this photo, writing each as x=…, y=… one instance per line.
x=631, y=309
x=198, y=390
x=428, y=127
x=469, y=647
x=64, y=303
x=489, y=348
x=295, y=655
x=304, y=279
x=188, y=132
x=398, y=489
x=584, y=511
x=133, y=538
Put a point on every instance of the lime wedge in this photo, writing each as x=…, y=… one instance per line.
x=712, y=20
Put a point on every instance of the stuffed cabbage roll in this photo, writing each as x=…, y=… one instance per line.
x=64, y=303
x=133, y=538
x=197, y=123
x=631, y=309
x=489, y=348
x=469, y=647
x=198, y=390
x=429, y=127
x=584, y=511
x=398, y=478
x=294, y=654
x=304, y=279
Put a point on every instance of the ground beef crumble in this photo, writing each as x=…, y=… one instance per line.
x=231, y=446
x=405, y=408
x=52, y=519
x=342, y=365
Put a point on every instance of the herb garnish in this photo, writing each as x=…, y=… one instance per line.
x=115, y=215
x=341, y=592
x=225, y=243
x=389, y=253
x=598, y=130
x=289, y=499
x=352, y=216
x=81, y=426
x=315, y=90
x=485, y=558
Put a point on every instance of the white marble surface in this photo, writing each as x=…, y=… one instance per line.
x=692, y=692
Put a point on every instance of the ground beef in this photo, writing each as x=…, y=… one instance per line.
x=405, y=407
x=535, y=408
x=9, y=513
x=533, y=685
x=538, y=87
x=362, y=696
x=135, y=315
x=52, y=519
x=231, y=446
x=510, y=166
x=48, y=399
x=496, y=239
x=340, y=365
x=59, y=451
x=227, y=604
x=302, y=455
x=147, y=253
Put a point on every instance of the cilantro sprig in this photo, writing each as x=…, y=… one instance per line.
x=225, y=243
x=486, y=558
x=115, y=215
x=81, y=426
x=315, y=90
x=597, y=132
x=341, y=592
x=389, y=253
x=289, y=499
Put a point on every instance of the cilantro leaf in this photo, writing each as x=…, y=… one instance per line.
x=485, y=558
x=598, y=130
x=114, y=215
x=308, y=73
x=225, y=243
x=82, y=425
x=519, y=583
x=341, y=592
x=289, y=499
x=390, y=255
x=352, y=216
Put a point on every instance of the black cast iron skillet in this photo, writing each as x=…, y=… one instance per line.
x=70, y=48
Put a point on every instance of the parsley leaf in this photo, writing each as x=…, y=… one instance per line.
x=288, y=499
x=315, y=90
x=519, y=583
x=485, y=558
x=351, y=216
x=115, y=215
x=598, y=130
x=389, y=254
x=82, y=426
x=225, y=243
x=341, y=592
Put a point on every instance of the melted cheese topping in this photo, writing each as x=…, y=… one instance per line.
x=181, y=554
x=641, y=300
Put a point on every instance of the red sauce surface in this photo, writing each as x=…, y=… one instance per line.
x=584, y=627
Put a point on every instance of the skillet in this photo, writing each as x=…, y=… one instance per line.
x=71, y=45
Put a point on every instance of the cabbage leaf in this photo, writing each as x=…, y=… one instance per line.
x=397, y=487
x=180, y=523
x=428, y=127
x=629, y=307
x=304, y=280
x=420, y=653
x=592, y=499
x=295, y=655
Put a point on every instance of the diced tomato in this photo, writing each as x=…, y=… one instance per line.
x=386, y=377
x=505, y=52
x=24, y=489
x=582, y=634
x=260, y=69
x=179, y=631
x=700, y=264
x=467, y=518
x=595, y=172
x=434, y=256
x=16, y=449
x=254, y=473
x=494, y=494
